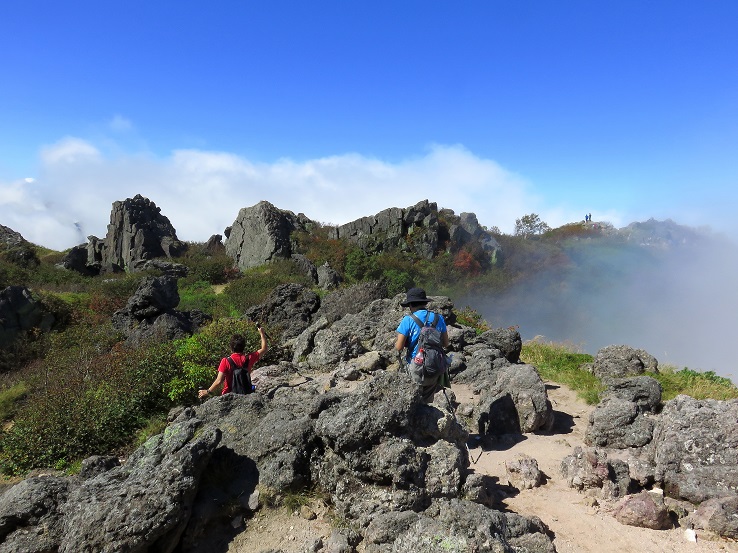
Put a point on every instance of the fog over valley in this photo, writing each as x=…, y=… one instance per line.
x=679, y=305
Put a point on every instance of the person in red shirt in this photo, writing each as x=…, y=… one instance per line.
x=225, y=373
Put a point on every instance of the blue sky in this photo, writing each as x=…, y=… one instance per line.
x=339, y=109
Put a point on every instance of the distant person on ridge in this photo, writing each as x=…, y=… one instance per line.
x=235, y=362
x=408, y=332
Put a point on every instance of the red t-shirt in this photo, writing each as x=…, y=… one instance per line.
x=240, y=359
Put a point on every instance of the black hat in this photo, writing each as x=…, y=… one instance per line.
x=415, y=295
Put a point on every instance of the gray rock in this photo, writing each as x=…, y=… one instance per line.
x=150, y=314
x=622, y=361
x=350, y=299
x=507, y=340
x=137, y=231
x=30, y=514
x=139, y=505
x=143, y=505
x=644, y=391
x=523, y=473
x=512, y=399
x=618, y=424
x=328, y=277
x=695, y=450
x=261, y=234
x=305, y=266
x=585, y=469
x=289, y=308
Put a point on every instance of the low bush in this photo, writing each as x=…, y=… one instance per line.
x=88, y=396
x=254, y=285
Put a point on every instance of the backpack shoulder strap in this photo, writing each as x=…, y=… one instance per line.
x=232, y=363
x=417, y=320
x=436, y=318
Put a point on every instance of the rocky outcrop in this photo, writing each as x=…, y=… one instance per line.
x=420, y=229
x=137, y=232
x=261, y=234
x=150, y=314
x=19, y=313
x=16, y=249
x=144, y=505
x=289, y=309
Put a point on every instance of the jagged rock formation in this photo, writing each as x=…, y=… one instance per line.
x=420, y=229
x=150, y=313
x=10, y=238
x=289, y=309
x=16, y=249
x=19, y=313
x=137, y=232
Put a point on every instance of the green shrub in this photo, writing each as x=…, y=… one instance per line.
x=198, y=295
x=470, y=317
x=200, y=354
x=86, y=397
x=213, y=268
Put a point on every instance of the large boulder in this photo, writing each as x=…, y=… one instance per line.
x=512, y=399
x=261, y=234
x=618, y=424
x=695, y=448
x=289, y=308
x=644, y=510
x=150, y=314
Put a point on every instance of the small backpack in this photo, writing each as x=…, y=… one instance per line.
x=241, y=381
x=430, y=355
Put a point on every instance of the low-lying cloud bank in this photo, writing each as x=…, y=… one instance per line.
x=202, y=191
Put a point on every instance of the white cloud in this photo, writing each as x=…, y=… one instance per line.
x=201, y=192
x=69, y=150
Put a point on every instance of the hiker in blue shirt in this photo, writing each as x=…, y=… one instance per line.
x=408, y=332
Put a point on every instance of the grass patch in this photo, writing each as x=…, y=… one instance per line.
x=699, y=385
x=10, y=399
x=558, y=363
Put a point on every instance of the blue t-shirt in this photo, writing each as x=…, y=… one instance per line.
x=410, y=329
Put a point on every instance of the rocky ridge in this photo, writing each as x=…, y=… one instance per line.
x=345, y=420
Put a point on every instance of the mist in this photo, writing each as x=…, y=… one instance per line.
x=679, y=305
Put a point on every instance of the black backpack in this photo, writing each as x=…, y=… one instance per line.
x=241, y=381
x=430, y=355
